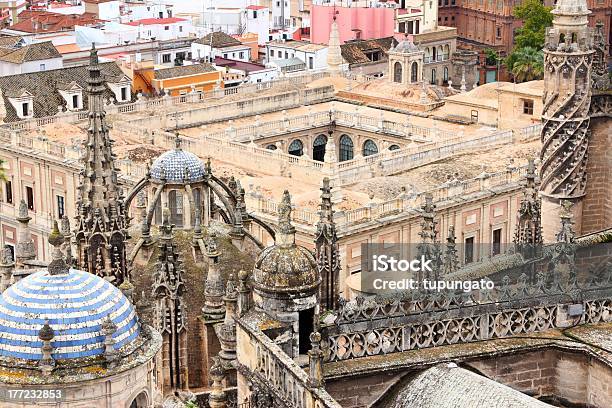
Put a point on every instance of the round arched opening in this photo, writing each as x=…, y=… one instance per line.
x=296, y=148
x=318, y=148
x=394, y=147
x=369, y=148
x=346, y=148
x=271, y=147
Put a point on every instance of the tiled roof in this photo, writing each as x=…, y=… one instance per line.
x=32, y=52
x=10, y=40
x=175, y=165
x=219, y=40
x=47, y=22
x=185, y=70
x=75, y=321
x=353, y=52
x=44, y=86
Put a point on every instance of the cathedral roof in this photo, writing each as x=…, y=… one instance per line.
x=73, y=305
x=177, y=166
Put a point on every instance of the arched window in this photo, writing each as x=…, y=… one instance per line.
x=440, y=53
x=574, y=37
x=296, y=148
x=561, y=38
x=433, y=76
x=369, y=148
x=445, y=74
x=446, y=52
x=414, y=72
x=397, y=72
x=394, y=147
x=318, y=148
x=435, y=53
x=175, y=204
x=346, y=148
x=271, y=147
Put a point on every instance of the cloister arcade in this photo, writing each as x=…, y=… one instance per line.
x=349, y=144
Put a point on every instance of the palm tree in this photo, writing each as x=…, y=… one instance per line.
x=527, y=64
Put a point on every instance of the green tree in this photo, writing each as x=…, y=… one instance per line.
x=536, y=17
x=528, y=64
x=492, y=57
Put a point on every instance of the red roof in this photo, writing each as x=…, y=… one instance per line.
x=153, y=21
x=256, y=7
x=48, y=22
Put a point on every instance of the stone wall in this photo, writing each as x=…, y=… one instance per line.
x=597, y=207
x=568, y=378
x=361, y=391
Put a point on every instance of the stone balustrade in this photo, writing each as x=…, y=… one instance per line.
x=401, y=206
x=269, y=366
x=145, y=105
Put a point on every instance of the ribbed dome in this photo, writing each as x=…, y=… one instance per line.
x=174, y=166
x=75, y=306
x=285, y=269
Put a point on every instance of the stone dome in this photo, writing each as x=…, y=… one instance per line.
x=406, y=47
x=286, y=267
x=571, y=7
x=69, y=309
x=177, y=166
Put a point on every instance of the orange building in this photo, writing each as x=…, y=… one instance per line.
x=149, y=81
x=251, y=40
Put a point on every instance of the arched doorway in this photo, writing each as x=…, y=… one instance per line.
x=318, y=148
x=433, y=76
x=296, y=148
x=175, y=204
x=414, y=72
x=397, y=72
x=369, y=148
x=346, y=148
x=141, y=401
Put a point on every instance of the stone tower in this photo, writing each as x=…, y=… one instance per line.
x=101, y=227
x=170, y=321
x=568, y=59
x=405, y=63
x=334, y=54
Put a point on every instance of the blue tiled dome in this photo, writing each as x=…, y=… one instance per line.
x=74, y=304
x=173, y=164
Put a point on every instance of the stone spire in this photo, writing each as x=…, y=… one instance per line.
x=451, y=259
x=25, y=244
x=601, y=79
x=226, y=331
x=217, y=397
x=101, y=229
x=326, y=250
x=315, y=361
x=65, y=230
x=168, y=291
x=429, y=245
x=334, y=53
x=213, y=309
x=568, y=59
x=528, y=233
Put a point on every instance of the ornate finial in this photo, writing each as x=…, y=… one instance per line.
x=46, y=333
x=58, y=264
x=284, y=214
x=211, y=245
x=108, y=329
x=65, y=229
x=177, y=141
x=230, y=288
x=22, y=215
x=6, y=256
x=46, y=363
